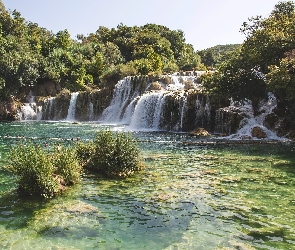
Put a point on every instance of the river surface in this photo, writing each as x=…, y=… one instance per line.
x=192, y=194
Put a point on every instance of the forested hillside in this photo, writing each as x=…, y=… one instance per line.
x=32, y=55
x=211, y=57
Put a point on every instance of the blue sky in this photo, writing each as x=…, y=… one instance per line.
x=205, y=23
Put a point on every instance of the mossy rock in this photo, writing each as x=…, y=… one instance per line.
x=155, y=86
x=200, y=132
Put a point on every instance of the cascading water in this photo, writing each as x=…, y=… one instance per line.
x=122, y=96
x=48, y=113
x=91, y=111
x=30, y=110
x=72, y=107
x=173, y=102
x=148, y=111
x=250, y=121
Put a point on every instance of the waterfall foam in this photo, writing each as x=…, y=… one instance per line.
x=72, y=107
x=153, y=109
x=250, y=121
x=91, y=111
x=122, y=97
x=147, y=112
x=30, y=110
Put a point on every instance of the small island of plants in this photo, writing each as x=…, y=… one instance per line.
x=47, y=172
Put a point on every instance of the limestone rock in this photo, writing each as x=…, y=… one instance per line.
x=200, y=132
x=258, y=132
x=155, y=86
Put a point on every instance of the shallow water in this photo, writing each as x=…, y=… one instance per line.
x=192, y=194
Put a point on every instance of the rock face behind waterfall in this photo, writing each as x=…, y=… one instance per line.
x=90, y=105
x=56, y=108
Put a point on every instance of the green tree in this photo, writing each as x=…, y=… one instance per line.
x=281, y=79
x=242, y=76
x=188, y=59
x=63, y=39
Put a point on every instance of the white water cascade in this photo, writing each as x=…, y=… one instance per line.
x=147, y=112
x=122, y=96
x=250, y=121
x=91, y=111
x=49, y=108
x=30, y=110
x=161, y=109
x=72, y=107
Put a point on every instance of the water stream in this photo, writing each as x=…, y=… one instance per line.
x=193, y=194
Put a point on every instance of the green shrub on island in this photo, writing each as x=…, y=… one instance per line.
x=42, y=172
x=111, y=154
x=67, y=165
x=84, y=152
x=46, y=172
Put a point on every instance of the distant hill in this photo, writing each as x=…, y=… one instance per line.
x=214, y=55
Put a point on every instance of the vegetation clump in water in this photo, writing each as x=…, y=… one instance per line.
x=114, y=155
x=44, y=173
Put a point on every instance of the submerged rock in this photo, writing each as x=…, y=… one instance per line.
x=67, y=218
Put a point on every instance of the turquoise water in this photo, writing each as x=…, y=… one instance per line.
x=192, y=194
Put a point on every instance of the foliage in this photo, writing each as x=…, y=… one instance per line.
x=41, y=172
x=281, y=79
x=243, y=75
x=84, y=152
x=213, y=56
x=114, y=155
x=64, y=159
x=32, y=55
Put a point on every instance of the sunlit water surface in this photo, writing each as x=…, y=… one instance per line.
x=193, y=194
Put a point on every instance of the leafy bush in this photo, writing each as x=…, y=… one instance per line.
x=41, y=172
x=66, y=165
x=114, y=155
x=84, y=152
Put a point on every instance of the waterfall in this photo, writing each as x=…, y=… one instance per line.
x=72, y=107
x=147, y=112
x=91, y=111
x=48, y=113
x=250, y=121
x=183, y=110
x=122, y=97
x=30, y=110
x=163, y=109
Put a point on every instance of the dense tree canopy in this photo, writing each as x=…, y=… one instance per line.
x=264, y=63
x=213, y=56
x=31, y=54
x=254, y=68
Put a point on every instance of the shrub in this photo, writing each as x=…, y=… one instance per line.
x=43, y=173
x=64, y=94
x=115, y=155
x=84, y=152
x=66, y=165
